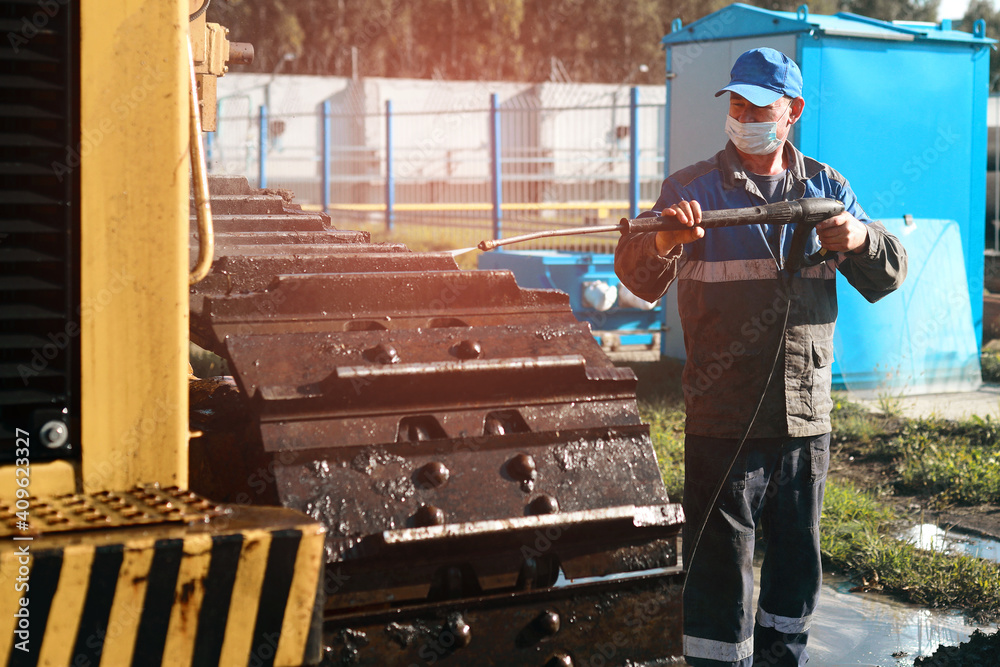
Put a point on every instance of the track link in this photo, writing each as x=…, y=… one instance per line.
x=468, y=446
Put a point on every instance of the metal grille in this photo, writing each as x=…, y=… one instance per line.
x=142, y=505
x=39, y=218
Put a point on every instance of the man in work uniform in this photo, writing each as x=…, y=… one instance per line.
x=745, y=318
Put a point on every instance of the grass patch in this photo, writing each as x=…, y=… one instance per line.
x=956, y=462
x=205, y=364
x=661, y=405
x=856, y=424
x=990, y=362
x=666, y=428
x=853, y=540
x=950, y=462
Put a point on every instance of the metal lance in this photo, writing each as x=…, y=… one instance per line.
x=804, y=213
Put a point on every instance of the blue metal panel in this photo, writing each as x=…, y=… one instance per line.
x=908, y=142
x=975, y=241
x=739, y=20
x=736, y=20
x=568, y=271
x=920, y=338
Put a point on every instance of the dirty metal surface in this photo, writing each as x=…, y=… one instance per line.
x=624, y=622
x=458, y=481
x=388, y=386
x=515, y=555
x=464, y=441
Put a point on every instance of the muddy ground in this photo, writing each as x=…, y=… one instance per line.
x=873, y=473
x=982, y=650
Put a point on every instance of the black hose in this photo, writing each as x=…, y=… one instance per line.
x=201, y=10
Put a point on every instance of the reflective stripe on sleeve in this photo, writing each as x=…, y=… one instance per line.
x=824, y=271
x=735, y=270
x=728, y=271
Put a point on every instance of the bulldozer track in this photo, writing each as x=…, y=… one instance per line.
x=488, y=490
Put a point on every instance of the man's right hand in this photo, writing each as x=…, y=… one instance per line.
x=687, y=213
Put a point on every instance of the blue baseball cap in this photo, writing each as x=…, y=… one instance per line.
x=763, y=75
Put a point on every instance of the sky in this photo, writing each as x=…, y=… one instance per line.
x=952, y=9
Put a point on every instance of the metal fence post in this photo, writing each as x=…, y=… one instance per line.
x=666, y=172
x=210, y=137
x=633, y=147
x=209, y=149
x=262, y=159
x=495, y=165
x=390, y=183
x=325, y=180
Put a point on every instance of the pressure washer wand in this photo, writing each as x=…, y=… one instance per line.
x=810, y=211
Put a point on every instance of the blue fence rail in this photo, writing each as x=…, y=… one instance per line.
x=506, y=169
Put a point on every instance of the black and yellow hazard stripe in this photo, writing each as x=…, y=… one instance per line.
x=232, y=591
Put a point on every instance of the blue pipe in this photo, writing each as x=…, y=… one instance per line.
x=390, y=180
x=209, y=150
x=211, y=138
x=633, y=147
x=666, y=171
x=325, y=195
x=262, y=158
x=495, y=165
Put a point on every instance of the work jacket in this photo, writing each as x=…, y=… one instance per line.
x=733, y=291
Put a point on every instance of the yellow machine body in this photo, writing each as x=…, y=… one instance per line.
x=104, y=558
x=134, y=248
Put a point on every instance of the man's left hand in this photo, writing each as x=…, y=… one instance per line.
x=843, y=233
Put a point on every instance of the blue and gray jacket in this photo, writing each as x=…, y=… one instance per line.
x=732, y=293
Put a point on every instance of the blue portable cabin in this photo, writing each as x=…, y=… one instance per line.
x=898, y=108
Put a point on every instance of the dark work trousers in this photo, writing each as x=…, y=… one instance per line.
x=776, y=483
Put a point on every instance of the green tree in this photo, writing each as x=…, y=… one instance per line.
x=272, y=27
x=895, y=10
x=885, y=10
x=533, y=40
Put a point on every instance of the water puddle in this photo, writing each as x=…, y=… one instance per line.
x=934, y=538
x=866, y=629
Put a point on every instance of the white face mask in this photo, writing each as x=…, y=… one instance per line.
x=754, y=138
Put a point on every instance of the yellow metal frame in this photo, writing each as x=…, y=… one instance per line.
x=134, y=247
